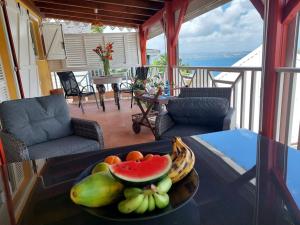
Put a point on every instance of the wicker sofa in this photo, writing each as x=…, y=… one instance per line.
x=196, y=111
x=41, y=127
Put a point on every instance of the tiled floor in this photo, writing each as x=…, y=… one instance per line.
x=116, y=124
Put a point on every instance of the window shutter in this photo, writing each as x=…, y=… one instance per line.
x=75, y=50
x=3, y=85
x=79, y=49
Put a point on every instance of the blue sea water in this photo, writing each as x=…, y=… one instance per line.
x=214, y=60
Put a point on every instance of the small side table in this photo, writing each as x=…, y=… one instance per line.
x=147, y=116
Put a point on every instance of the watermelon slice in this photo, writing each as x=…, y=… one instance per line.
x=142, y=173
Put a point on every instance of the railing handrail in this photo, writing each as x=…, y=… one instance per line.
x=221, y=68
x=287, y=70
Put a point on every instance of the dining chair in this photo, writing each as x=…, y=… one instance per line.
x=71, y=88
x=141, y=74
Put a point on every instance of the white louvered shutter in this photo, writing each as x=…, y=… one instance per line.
x=3, y=85
x=119, y=57
x=75, y=50
x=79, y=49
x=132, y=49
x=91, y=42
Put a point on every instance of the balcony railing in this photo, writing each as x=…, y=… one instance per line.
x=246, y=83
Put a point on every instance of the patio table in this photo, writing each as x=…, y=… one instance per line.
x=114, y=80
x=245, y=179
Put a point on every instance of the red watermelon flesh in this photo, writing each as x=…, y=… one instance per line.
x=144, y=172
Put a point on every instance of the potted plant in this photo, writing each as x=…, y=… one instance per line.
x=105, y=54
x=139, y=87
x=155, y=84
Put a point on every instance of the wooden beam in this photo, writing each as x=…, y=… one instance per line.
x=180, y=21
x=275, y=43
x=259, y=5
x=157, y=17
x=290, y=11
x=133, y=3
x=76, y=9
x=91, y=16
x=88, y=20
x=29, y=4
x=143, y=45
x=170, y=32
x=102, y=6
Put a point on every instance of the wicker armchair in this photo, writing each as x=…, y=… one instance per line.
x=42, y=128
x=193, y=103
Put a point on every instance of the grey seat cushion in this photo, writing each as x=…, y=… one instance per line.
x=204, y=111
x=63, y=146
x=36, y=120
x=186, y=130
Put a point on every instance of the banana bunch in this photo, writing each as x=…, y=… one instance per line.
x=183, y=160
x=142, y=200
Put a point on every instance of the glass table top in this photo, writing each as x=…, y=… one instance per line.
x=244, y=179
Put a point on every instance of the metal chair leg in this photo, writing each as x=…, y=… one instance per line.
x=80, y=104
x=131, y=99
x=96, y=100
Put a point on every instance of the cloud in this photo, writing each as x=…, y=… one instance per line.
x=234, y=27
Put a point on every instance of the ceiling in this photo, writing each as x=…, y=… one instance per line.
x=127, y=13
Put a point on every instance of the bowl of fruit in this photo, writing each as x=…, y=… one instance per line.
x=137, y=186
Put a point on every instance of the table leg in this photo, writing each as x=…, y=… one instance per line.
x=101, y=90
x=145, y=114
x=116, y=89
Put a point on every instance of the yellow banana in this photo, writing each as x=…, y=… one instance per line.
x=184, y=161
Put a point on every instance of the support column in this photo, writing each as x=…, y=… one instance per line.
x=275, y=42
x=143, y=45
x=170, y=34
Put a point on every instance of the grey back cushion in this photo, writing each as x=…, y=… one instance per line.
x=205, y=111
x=36, y=120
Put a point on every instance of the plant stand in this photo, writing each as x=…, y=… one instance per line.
x=147, y=117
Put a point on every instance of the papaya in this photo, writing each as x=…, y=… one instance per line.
x=96, y=190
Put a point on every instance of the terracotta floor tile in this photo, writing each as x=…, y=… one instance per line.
x=116, y=124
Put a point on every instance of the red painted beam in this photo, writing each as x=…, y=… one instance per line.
x=143, y=45
x=170, y=34
x=290, y=11
x=180, y=21
x=259, y=5
x=274, y=57
x=153, y=19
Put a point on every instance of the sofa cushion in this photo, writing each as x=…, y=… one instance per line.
x=204, y=111
x=186, y=130
x=63, y=146
x=36, y=120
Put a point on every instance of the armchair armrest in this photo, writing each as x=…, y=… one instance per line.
x=88, y=129
x=229, y=121
x=163, y=123
x=15, y=150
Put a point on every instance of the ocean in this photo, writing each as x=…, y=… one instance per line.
x=213, y=59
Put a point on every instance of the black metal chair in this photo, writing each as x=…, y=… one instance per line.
x=141, y=74
x=71, y=88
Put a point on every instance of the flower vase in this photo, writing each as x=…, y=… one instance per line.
x=106, y=67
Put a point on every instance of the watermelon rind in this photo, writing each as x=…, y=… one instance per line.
x=129, y=181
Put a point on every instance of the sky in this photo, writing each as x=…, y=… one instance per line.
x=234, y=27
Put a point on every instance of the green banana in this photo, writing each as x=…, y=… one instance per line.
x=129, y=205
x=132, y=192
x=164, y=185
x=143, y=206
x=161, y=200
x=151, y=203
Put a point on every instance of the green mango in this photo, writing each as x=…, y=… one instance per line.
x=96, y=190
